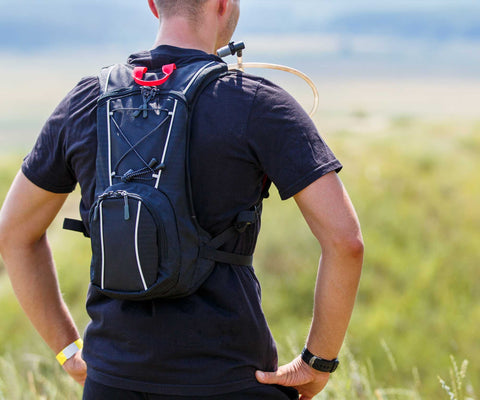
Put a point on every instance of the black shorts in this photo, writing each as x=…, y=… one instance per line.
x=97, y=391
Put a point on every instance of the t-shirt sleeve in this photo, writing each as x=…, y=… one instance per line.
x=48, y=165
x=286, y=142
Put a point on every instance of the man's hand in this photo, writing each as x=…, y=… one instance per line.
x=76, y=368
x=298, y=375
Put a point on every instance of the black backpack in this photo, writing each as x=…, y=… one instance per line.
x=146, y=241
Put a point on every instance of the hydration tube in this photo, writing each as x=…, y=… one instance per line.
x=237, y=48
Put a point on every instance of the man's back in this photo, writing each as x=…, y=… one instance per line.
x=214, y=341
x=213, y=338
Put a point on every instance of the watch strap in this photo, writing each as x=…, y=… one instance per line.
x=320, y=364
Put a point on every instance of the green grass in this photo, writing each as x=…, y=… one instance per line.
x=415, y=187
x=416, y=192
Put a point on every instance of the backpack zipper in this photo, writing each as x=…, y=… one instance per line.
x=116, y=194
x=121, y=93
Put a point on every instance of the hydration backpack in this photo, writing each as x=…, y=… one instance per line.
x=146, y=241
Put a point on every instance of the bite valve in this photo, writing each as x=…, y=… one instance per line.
x=231, y=49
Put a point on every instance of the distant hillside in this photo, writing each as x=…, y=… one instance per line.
x=430, y=24
x=53, y=23
x=442, y=23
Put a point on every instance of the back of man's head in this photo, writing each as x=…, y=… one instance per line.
x=191, y=9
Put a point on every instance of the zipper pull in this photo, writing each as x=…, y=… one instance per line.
x=126, y=208
x=148, y=95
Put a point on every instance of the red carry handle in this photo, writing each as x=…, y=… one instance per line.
x=138, y=73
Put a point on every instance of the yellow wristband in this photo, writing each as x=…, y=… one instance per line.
x=69, y=351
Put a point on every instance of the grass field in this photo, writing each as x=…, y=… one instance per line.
x=413, y=177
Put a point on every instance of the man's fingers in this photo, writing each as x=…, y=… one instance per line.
x=286, y=375
x=76, y=368
x=268, y=378
x=298, y=375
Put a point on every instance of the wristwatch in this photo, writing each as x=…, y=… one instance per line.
x=318, y=363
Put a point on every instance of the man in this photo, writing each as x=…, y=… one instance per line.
x=214, y=344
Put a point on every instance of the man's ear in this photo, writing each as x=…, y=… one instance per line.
x=153, y=7
x=222, y=6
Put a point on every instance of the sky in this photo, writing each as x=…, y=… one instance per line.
x=334, y=41
x=371, y=33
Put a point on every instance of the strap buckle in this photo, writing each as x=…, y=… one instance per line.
x=245, y=219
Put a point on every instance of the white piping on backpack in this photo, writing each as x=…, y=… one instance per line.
x=102, y=284
x=108, y=127
x=139, y=265
x=109, y=143
x=196, y=75
x=108, y=78
x=166, y=143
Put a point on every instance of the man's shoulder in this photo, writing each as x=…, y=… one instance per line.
x=241, y=77
x=85, y=92
x=239, y=81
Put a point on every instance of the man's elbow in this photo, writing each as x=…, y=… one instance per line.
x=349, y=245
x=355, y=246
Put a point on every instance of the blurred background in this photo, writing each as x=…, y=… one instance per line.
x=399, y=85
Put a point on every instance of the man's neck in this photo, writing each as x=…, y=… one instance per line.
x=180, y=32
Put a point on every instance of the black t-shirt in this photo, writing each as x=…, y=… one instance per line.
x=211, y=342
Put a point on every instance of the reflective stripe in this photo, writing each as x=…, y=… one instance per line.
x=102, y=283
x=196, y=75
x=108, y=78
x=69, y=351
x=109, y=132
x=139, y=265
x=166, y=143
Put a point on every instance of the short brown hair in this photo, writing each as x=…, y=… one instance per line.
x=189, y=8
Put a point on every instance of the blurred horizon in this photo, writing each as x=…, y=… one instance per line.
x=366, y=38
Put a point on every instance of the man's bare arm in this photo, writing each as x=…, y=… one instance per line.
x=329, y=212
x=25, y=216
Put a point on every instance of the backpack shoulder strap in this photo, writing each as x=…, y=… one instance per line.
x=202, y=78
x=210, y=250
x=120, y=74
x=104, y=78
x=77, y=225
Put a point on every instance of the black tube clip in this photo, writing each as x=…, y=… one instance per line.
x=231, y=49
